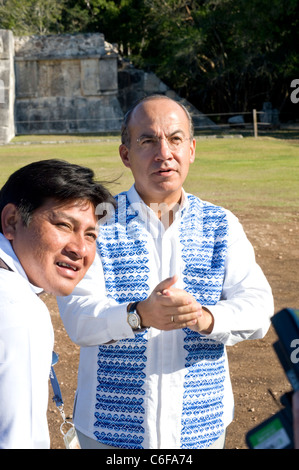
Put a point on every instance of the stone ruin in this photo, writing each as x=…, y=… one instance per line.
x=74, y=84
x=7, y=87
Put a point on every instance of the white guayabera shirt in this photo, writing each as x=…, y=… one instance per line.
x=163, y=389
x=26, y=343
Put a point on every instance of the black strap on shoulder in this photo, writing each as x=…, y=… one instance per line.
x=3, y=265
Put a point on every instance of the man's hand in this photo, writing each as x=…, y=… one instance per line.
x=169, y=308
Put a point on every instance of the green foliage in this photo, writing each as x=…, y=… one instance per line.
x=25, y=17
x=222, y=55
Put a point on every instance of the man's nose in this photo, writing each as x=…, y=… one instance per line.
x=77, y=246
x=163, y=151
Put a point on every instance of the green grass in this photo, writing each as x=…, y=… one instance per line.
x=240, y=174
x=247, y=173
x=102, y=157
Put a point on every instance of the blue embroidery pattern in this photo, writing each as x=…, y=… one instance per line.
x=120, y=391
x=204, y=261
x=119, y=414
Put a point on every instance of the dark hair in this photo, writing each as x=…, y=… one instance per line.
x=125, y=134
x=30, y=186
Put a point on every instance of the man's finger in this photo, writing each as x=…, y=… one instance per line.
x=166, y=283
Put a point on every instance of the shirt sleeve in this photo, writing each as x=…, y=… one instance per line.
x=246, y=303
x=89, y=316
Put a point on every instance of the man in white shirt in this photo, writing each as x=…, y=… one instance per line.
x=174, y=281
x=48, y=232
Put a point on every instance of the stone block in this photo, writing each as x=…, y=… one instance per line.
x=58, y=78
x=7, y=86
x=90, y=77
x=99, y=114
x=5, y=71
x=99, y=76
x=108, y=74
x=6, y=44
x=68, y=115
x=5, y=103
x=152, y=84
x=2, y=92
x=60, y=46
x=26, y=79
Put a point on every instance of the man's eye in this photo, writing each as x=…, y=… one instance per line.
x=63, y=225
x=147, y=141
x=176, y=140
x=92, y=236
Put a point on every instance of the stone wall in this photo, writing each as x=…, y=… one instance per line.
x=7, y=86
x=65, y=84
x=70, y=84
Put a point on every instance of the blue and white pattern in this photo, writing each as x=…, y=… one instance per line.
x=120, y=411
x=203, y=255
x=120, y=393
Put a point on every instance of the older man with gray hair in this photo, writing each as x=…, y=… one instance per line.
x=174, y=281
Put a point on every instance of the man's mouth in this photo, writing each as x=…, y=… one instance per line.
x=66, y=265
x=165, y=171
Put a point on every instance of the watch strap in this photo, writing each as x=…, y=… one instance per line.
x=133, y=307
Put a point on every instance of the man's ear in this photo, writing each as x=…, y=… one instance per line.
x=123, y=152
x=9, y=219
x=192, y=150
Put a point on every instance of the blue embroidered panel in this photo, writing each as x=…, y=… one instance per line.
x=120, y=392
x=204, y=239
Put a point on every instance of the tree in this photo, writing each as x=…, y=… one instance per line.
x=25, y=17
x=121, y=21
x=222, y=55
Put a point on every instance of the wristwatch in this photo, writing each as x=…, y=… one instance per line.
x=133, y=317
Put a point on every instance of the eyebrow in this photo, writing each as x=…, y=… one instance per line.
x=178, y=131
x=63, y=215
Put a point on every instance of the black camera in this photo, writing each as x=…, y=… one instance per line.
x=277, y=431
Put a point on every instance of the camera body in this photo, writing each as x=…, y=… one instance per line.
x=277, y=431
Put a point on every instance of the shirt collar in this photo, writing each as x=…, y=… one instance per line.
x=134, y=198
x=10, y=258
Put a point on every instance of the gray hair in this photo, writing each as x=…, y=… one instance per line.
x=125, y=134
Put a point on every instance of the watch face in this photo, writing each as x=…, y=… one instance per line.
x=133, y=320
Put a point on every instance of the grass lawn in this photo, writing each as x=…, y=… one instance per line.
x=246, y=173
x=240, y=174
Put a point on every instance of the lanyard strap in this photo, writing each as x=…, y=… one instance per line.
x=57, y=398
x=54, y=382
